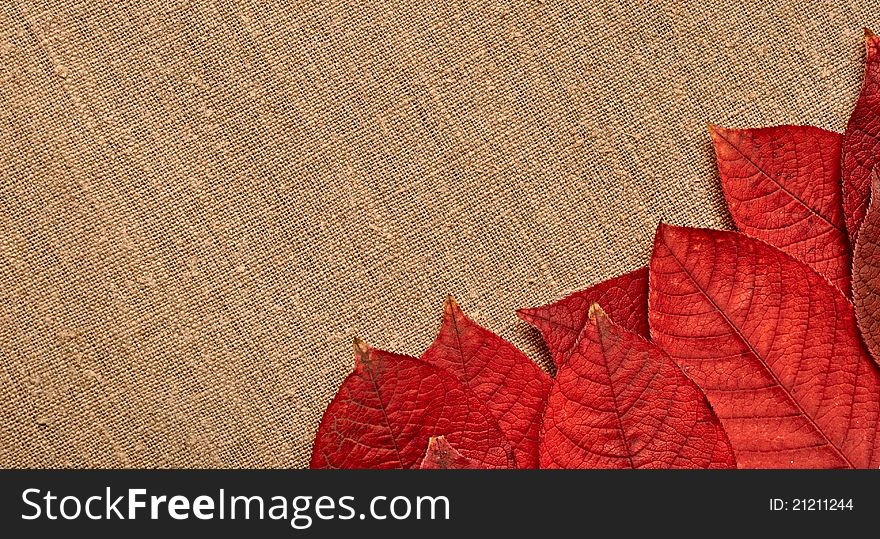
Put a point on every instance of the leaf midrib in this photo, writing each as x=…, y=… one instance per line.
x=623, y=434
x=385, y=416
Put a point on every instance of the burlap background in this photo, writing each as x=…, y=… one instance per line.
x=202, y=202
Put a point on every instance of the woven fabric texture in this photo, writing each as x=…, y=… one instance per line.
x=201, y=203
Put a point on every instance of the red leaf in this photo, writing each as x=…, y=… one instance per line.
x=620, y=402
x=861, y=141
x=866, y=272
x=442, y=456
x=388, y=408
x=772, y=344
x=513, y=387
x=782, y=185
x=625, y=298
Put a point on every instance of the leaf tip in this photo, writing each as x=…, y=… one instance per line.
x=441, y=455
x=725, y=139
x=662, y=229
x=667, y=233
x=434, y=441
x=717, y=132
x=361, y=351
x=450, y=305
x=596, y=312
x=869, y=35
x=526, y=314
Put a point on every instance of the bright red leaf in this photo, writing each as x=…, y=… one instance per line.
x=866, y=272
x=513, y=387
x=624, y=298
x=388, y=408
x=620, y=402
x=861, y=142
x=782, y=185
x=442, y=456
x=772, y=344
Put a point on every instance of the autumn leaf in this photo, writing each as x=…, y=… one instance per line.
x=388, y=408
x=772, y=344
x=862, y=140
x=513, y=387
x=782, y=185
x=442, y=456
x=866, y=272
x=620, y=402
x=625, y=299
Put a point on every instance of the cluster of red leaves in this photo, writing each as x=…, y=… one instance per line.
x=751, y=349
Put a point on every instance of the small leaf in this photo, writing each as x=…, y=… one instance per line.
x=782, y=185
x=866, y=272
x=861, y=141
x=513, y=387
x=620, y=402
x=625, y=298
x=442, y=456
x=388, y=408
x=772, y=344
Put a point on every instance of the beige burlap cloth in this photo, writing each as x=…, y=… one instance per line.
x=201, y=203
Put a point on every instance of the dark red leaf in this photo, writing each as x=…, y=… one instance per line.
x=861, y=141
x=866, y=272
x=442, y=456
x=772, y=344
x=624, y=298
x=620, y=402
x=513, y=387
x=388, y=408
x=782, y=185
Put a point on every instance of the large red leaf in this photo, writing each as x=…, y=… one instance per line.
x=782, y=185
x=866, y=272
x=861, y=141
x=624, y=298
x=388, y=408
x=513, y=387
x=442, y=456
x=772, y=344
x=620, y=402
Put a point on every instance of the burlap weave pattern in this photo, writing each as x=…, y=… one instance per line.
x=201, y=203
